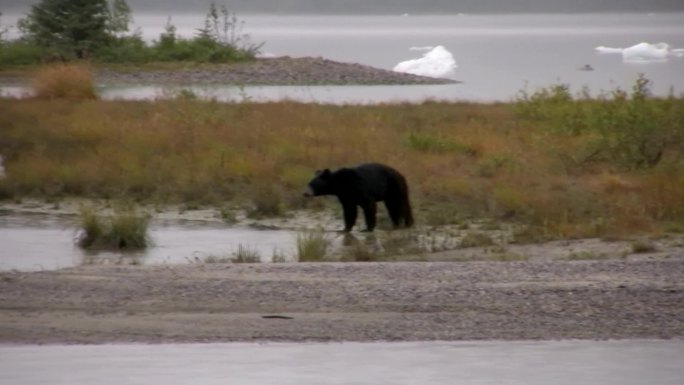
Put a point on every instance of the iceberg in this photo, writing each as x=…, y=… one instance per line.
x=602, y=49
x=437, y=62
x=644, y=52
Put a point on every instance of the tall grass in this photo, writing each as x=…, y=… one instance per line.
x=71, y=81
x=312, y=246
x=461, y=160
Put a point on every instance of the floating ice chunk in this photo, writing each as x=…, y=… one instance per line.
x=602, y=49
x=644, y=52
x=421, y=48
x=437, y=62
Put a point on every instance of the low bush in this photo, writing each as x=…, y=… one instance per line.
x=70, y=81
x=631, y=130
x=19, y=53
x=124, y=230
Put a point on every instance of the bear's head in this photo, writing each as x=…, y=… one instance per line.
x=321, y=184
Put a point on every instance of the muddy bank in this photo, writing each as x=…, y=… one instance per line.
x=612, y=299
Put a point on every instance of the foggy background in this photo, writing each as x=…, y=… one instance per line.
x=390, y=6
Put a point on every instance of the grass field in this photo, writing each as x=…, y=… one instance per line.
x=564, y=167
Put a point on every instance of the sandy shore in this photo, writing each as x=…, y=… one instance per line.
x=607, y=299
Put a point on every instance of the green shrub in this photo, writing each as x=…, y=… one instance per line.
x=125, y=230
x=19, y=52
x=127, y=49
x=631, y=130
x=436, y=144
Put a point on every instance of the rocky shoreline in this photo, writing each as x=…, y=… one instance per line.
x=271, y=71
x=280, y=71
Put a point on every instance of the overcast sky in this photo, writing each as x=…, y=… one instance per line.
x=389, y=6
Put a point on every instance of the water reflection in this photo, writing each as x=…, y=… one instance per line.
x=46, y=242
x=425, y=363
x=305, y=94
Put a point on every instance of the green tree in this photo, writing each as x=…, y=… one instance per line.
x=211, y=24
x=120, y=17
x=3, y=30
x=68, y=28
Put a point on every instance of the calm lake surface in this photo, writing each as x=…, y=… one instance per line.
x=497, y=55
x=636, y=362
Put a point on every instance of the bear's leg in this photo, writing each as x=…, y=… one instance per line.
x=394, y=211
x=349, y=215
x=369, y=210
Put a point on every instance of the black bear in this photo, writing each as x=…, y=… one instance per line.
x=364, y=185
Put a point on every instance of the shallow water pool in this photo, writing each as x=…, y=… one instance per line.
x=635, y=362
x=30, y=242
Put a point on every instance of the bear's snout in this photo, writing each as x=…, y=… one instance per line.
x=309, y=192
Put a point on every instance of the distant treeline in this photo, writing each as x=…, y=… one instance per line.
x=100, y=31
x=396, y=6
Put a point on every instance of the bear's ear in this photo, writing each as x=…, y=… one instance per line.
x=323, y=173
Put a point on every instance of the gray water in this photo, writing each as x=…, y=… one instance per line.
x=497, y=55
x=636, y=362
x=46, y=242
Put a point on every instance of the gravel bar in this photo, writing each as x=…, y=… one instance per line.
x=395, y=301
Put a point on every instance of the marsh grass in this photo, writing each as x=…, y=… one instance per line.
x=123, y=230
x=243, y=254
x=212, y=259
x=312, y=246
x=246, y=254
x=505, y=162
x=64, y=80
x=279, y=256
